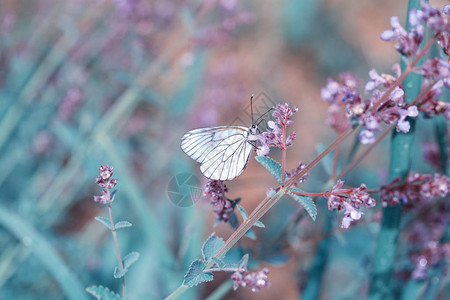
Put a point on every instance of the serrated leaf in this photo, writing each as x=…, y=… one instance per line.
x=220, y=263
x=242, y=212
x=130, y=259
x=306, y=202
x=118, y=273
x=211, y=246
x=259, y=224
x=243, y=262
x=195, y=274
x=250, y=234
x=122, y=224
x=102, y=293
x=272, y=166
x=105, y=222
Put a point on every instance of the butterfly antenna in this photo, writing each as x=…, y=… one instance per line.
x=251, y=107
x=265, y=113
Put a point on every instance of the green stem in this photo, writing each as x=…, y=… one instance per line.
x=384, y=260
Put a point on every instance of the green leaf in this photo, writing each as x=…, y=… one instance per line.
x=102, y=293
x=118, y=273
x=128, y=260
x=105, y=222
x=122, y=224
x=250, y=234
x=259, y=224
x=220, y=263
x=243, y=212
x=195, y=274
x=272, y=166
x=243, y=262
x=306, y=202
x=211, y=246
x=43, y=250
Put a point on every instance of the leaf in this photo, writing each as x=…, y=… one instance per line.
x=102, y=293
x=306, y=202
x=39, y=245
x=118, y=273
x=259, y=224
x=220, y=263
x=122, y=224
x=211, y=246
x=195, y=274
x=250, y=234
x=243, y=262
x=105, y=222
x=128, y=260
x=272, y=166
x=243, y=212
x=233, y=221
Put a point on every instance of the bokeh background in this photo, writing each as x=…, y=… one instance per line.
x=91, y=82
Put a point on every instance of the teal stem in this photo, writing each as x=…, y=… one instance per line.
x=400, y=163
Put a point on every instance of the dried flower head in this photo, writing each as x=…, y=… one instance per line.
x=107, y=183
x=223, y=207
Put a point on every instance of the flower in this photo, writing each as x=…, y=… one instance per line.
x=275, y=135
x=407, y=43
x=223, y=207
x=105, y=181
x=295, y=171
x=256, y=281
x=352, y=200
x=417, y=189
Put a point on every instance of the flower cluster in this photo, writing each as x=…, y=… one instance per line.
x=417, y=188
x=275, y=136
x=337, y=94
x=348, y=107
x=256, y=281
x=107, y=183
x=352, y=200
x=223, y=207
x=433, y=253
x=295, y=171
x=432, y=154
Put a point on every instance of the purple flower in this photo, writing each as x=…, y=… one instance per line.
x=256, y=281
x=107, y=183
x=366, y=137
x=295, y=171
x=223, y=207
x=407, y=43
x=274, y=136
x=417, y=189
x=352, y=200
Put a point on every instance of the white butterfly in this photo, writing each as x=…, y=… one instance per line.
x=222, y=151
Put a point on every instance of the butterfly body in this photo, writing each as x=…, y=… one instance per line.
x=222, y=151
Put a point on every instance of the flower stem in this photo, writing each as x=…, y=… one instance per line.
x=116, y=244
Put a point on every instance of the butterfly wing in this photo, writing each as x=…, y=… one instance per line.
x=223, y=151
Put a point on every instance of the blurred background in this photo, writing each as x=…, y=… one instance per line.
x=85, y=83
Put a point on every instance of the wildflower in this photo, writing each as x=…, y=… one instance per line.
x=417, y=189
x=295, y=171
x=223, y=207
x=352, y=200
x=105, y=181
x=407, y=43
x=256, y=281
x=275, y=135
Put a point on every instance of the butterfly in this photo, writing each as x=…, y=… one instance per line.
x=222, y=151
